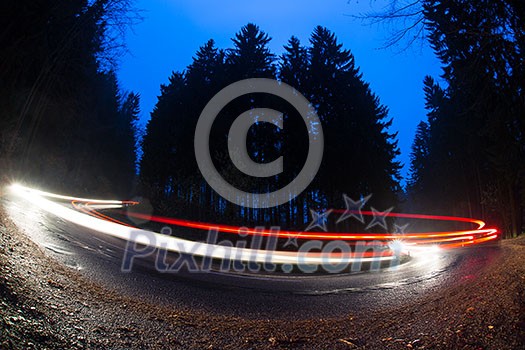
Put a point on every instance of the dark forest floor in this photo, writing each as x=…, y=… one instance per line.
x=45, y=305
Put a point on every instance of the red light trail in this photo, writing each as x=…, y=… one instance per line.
x=465, y=237
x=87, y=213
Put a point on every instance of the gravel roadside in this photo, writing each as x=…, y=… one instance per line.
x=46, y=305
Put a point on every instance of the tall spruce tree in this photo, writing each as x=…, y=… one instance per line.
x=419, y=158
x=359, y=151
x=250, y=56
x=478, y=131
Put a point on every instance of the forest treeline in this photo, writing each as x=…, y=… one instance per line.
x=64, y=122
x=468, y=157
x=359, y=157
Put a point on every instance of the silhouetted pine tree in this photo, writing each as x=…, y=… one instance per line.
x=294, y=66
x=477, y=132
x=250, y=56
x=359, y=151
x=433, y=158
x=419, y=158
x=159, y=168
x=61, y=108
x=294, y=69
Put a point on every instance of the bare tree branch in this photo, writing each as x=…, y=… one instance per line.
x=405, y=19
x=120, y=16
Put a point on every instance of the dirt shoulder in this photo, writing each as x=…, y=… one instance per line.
x=45, y=305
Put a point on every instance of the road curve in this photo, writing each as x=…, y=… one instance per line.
x=99, y=258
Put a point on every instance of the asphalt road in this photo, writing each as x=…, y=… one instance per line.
x=99, y=257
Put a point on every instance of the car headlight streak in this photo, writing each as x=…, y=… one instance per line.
x=86, y=213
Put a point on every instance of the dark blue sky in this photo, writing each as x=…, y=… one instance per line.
x=173, y=30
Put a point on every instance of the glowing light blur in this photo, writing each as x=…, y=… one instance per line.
x=98, y=222
x=460, y=237
x=86, y=213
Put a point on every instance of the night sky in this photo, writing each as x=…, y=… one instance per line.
x=172, y=31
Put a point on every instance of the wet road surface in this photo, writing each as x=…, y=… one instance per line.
x=99, y=258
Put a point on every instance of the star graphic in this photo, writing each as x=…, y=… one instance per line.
x=291, y=241
x=400, y=230
x=353, y=208
x=379, y=218
x=318, y=220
